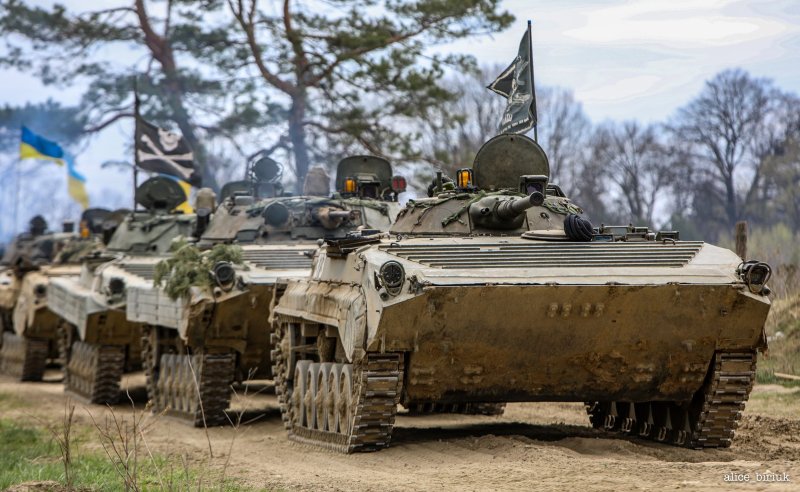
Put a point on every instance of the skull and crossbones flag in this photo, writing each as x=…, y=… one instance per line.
x=516, y=85
x=165, y=152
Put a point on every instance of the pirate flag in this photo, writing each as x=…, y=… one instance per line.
x=165, y=152
x=516, y=85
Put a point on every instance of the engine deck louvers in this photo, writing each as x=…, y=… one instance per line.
x=552, y=255
x=144, y=270
x=278, y=259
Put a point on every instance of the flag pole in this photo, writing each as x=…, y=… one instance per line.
x=16, y=198
x=533, y=86
x=136, y=108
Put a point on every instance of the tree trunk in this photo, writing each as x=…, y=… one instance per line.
x=297, y=135
x=730, y=201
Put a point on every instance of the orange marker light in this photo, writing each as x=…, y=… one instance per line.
x=350, y=185
x=464, y=178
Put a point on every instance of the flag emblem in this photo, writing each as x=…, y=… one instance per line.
x=33, y=146
x=165, y=152
x=515, y=83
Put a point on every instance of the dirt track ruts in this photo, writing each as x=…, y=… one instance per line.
x=533, y=446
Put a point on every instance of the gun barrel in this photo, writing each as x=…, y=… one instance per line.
x=343, y=214
x=511, y=208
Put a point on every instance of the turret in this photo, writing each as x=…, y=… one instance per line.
x=368, y=176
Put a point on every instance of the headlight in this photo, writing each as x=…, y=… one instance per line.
x=116, y=286
x=392, y=276
x=224, y=275
x=756, y=275
x=40, y=290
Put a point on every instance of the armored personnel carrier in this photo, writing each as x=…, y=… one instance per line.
x=499, y=291
x=97, y=340
x=38, y=257
x=215, y=330
x=20, y=257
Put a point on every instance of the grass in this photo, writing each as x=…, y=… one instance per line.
x=784, y=404
x=783, y=328
x=10, y=402
x=31, y=453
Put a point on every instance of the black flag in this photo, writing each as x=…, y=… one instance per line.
x=516, y=85
x=166, y=152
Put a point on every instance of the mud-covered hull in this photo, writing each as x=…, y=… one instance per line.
x=33, y=315
x=488, y=320
x=9, y=290
x=567, y=343
x=236, y=321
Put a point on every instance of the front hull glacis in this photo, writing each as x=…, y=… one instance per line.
x=515, y=320
x=659, y=338
x=566, y=343
x=212, y=319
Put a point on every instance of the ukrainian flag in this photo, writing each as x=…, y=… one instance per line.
x=76, y=183
x=34, y=146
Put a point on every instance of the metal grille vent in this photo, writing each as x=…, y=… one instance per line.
x=551, y=255
x=278, y=259
x=145, y=270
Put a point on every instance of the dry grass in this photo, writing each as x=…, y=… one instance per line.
x=783, y=332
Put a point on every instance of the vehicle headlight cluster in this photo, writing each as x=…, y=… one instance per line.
x=392, y=276
x=224, y=275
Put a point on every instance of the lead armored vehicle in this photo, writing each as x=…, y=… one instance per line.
x=38, y=257
x=98, y=342
x=499, y=291
x=208, y=323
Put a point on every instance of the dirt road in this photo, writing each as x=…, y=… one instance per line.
x=531, y=447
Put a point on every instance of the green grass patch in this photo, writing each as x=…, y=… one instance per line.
x=29, y=453
x=765, y=374
x=10, y=402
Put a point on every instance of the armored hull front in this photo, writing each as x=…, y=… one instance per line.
x=208, y=320
x=484, y=296
x=226, y=318
x=34, y=338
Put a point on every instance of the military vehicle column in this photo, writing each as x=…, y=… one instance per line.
x=29, y=338
x=101, y=343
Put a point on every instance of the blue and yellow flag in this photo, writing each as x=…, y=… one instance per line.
x=76, y=183
x=33, y=146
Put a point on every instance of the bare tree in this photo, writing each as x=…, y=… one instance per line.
x=563, y=128
x=451, y=141
x=564, y=131
x=637, y=165
x=724, y=129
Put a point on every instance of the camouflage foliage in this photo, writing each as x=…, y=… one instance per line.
x=189, y=267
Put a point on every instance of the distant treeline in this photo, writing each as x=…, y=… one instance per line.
x=731, y=153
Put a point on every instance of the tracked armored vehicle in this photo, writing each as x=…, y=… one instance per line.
x=499, y=291
x=29, y=326
x=202, y=339
x=21, y=256
x=97, y=340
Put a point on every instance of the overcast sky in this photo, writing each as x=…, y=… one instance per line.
x=624, y=60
